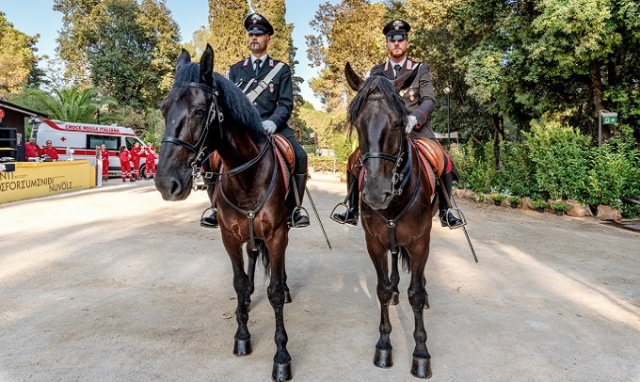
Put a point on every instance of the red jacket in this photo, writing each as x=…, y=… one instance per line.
x=50, y=151
x=151, y=153
x=124, y=156
x=105, y=156
x=31, y=150
x=136, y=153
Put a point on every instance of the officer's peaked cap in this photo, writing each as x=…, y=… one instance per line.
x=255, y=23
x=396, y=28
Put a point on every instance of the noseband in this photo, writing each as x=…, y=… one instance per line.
x=398, y=179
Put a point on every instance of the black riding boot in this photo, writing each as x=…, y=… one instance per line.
x=350, y=216
x=447, y=219
x=210, y=221
x=298, y=218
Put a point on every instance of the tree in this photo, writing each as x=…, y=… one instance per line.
x=124, y=48
x=17, y=57
x=74, y=104
x=226, y=32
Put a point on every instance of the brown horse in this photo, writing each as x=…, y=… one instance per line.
x=397, y=204
x=205, y=112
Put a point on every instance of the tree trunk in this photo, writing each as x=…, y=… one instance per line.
x=596, y=87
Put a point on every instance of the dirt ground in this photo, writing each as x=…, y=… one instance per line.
x=115, y=284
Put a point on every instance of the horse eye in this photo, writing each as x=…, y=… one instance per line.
x=199, y=111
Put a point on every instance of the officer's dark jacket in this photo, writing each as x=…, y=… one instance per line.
x=419, y=98
x=275, y=103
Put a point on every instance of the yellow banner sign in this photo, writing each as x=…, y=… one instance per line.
x=32, y=180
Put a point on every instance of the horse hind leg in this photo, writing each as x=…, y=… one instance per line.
x=421, y=366
x=395, y=278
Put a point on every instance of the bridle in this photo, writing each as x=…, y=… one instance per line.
x=398, y=179
x=214, y=115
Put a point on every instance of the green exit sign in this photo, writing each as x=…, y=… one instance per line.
x=609, y=118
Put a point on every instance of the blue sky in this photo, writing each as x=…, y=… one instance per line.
x=38, y=17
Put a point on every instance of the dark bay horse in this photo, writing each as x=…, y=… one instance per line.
x=397, y=204
x=205, y=112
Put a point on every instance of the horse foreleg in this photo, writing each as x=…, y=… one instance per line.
x=242, y=343
x=275, y=291
x=421, y=366
x=383, y=356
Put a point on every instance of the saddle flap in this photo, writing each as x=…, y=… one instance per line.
x=285, y=149
x=432, y=152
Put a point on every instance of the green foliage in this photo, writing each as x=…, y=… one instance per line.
x=517, y=172
x=497, y=197
x=560, y=206
x=72, y=105
x=560, y=156
x=513, y=199
x=610, y=171
x=17, y=57
x=475, y=170
x=539, y=203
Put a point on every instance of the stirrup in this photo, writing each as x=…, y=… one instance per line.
x=292, y=224
x=454, y=212
x=202, y=217
x=346, y=213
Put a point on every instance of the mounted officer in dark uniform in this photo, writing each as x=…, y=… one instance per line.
x=419, y=99
x=267, y=83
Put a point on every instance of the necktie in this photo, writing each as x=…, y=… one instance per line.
x=397, y=68
x=257, y=62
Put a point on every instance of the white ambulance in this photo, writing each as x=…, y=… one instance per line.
x=74, y=140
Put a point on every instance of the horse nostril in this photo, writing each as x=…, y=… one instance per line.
x=175, y=187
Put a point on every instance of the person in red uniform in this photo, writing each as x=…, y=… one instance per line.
x=125, y=165
x=136, y=154
x=31, y=150
x=49, y=150
x=151, y=160
x=105, y=162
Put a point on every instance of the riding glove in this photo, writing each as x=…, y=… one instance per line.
x=269, y=126
x=412, y=122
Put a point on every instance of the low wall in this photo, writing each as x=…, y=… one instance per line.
x=32, y=180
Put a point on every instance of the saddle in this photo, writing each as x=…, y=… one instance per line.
x=284, y=152
x=430, y=154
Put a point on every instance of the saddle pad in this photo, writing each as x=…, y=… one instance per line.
x=433, y=154
x=286, y=158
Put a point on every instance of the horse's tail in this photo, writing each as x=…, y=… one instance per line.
x=263, y=254
x=405, y=259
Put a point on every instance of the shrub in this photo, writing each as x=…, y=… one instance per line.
x=560, y=206
x=560, y=156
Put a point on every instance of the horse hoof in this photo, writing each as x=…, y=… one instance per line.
x=242, y=347
x=383, y=359
x=421, y=368
x=395, y=298
x=287, y=297
x=281, y=371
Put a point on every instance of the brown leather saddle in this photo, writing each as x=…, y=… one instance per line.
x=430, y=154
x=284, y=152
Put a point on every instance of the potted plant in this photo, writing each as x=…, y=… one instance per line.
x=497, y=198
x=481, y=197
x=560, y=207
x=539, y=205
x=514, y=201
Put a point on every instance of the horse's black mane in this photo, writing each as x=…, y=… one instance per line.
x=236, y=108
x=372, y=85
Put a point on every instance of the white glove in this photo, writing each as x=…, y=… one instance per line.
x=269, y=127
x=411, y=123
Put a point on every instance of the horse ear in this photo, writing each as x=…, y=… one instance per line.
x=405, y=80
x=184, y=58
x=353, y=79
x=206, y=66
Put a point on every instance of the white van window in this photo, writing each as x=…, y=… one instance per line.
x=112, y=143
